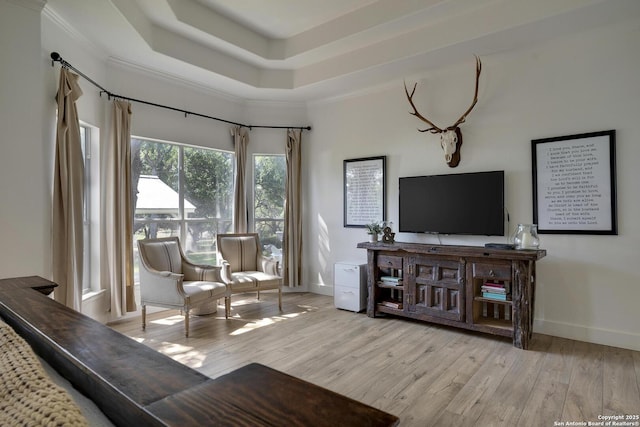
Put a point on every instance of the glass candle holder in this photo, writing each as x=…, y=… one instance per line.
x=526, y=237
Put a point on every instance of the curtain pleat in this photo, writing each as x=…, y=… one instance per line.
x=68, y=193
x=117, y=253
x=293, y=211
x=240, y=214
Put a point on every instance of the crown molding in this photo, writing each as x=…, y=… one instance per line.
x=36, y=5
x=172, y=79
x=83, y=41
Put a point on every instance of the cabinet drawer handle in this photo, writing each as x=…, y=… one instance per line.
x=492, y=273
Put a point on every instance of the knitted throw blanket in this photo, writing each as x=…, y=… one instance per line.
x=28, y=397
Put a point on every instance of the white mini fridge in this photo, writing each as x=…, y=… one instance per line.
x=350, y=286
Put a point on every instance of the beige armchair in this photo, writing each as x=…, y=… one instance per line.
x=168, y=279
x=244, y=268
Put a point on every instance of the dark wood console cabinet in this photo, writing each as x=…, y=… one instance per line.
x=444, y=284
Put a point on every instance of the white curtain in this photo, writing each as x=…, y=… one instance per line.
x=68, y=195
x=117, y=237
x=240, y=214
x=293, y=211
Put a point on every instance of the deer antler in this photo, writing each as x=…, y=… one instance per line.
x=475, y=97
x=433, y=128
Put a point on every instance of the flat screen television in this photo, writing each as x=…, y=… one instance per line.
x=465, y=203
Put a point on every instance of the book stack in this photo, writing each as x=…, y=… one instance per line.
x=495, y=291
x=391, y=280
x=392, y=304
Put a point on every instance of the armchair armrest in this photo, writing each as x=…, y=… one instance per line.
x=225, y=271
x=269, y=265
x=161, y=274
x=159, y=285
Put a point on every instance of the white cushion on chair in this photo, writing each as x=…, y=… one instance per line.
x=194, y=290
x=257, y=277
x=164, y=256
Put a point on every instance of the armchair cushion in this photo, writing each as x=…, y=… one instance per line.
x=163, y=255
x=241, y=252
x=252, y=280
x=197, y=291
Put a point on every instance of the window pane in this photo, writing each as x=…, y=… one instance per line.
x=208, y=183
x=269, y=196
x=208, y=191
x=155, y=175
x=86, y=220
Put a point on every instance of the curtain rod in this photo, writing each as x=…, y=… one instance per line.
x=55, y=57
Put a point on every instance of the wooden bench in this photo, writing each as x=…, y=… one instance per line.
x=135, y=385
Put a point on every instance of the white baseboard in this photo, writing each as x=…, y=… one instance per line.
x=321, y=289
x=593, y=335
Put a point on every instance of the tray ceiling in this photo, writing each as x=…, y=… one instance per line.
x=304, y=50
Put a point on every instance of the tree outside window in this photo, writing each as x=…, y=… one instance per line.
x=269, y=197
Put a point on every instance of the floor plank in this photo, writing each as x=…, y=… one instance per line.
x=584, y=396
x=428, y=375
x=546, y=400
x=620, y=392
x=515, y=388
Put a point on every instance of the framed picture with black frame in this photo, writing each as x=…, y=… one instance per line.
x=364, y=191
x=574, y=183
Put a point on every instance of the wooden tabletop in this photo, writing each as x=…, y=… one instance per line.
x=256, y=395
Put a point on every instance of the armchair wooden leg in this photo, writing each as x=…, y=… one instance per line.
x=258, y=295
x=227, y=307
x=280, y=298
x=144, y=317
x=186, y=323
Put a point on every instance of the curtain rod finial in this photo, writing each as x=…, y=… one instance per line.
x=55, y=56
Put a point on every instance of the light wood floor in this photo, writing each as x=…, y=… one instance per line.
x=426, y=374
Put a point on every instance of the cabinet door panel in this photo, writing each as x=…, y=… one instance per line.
x=437, y=287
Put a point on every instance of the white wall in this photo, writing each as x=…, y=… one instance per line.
x=25, y=209
x=588, y=286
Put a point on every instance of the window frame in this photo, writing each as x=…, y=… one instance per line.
x=182, y=220
x=90, y=140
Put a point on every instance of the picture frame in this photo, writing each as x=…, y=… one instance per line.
x=574, y=184
x=364, y=191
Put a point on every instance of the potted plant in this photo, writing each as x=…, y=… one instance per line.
x=373, y=230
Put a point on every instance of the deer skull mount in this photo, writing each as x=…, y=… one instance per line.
x=450, y=137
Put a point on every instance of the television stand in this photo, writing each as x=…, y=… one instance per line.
x=477, y=288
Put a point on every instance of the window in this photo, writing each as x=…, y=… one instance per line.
x=269, y=172
x=89, y=144
x=85, y=144
x=182, y=191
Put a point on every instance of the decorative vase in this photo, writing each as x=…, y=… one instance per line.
x=526, y=237
x=373, y=238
